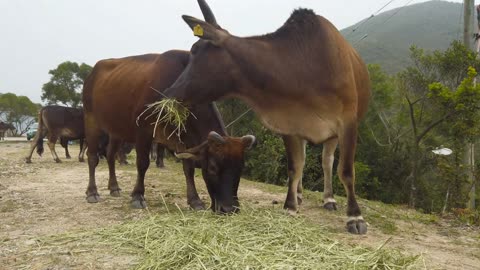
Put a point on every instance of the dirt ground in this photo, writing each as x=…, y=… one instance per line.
x=45, y=198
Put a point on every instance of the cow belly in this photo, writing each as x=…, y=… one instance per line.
x=68, y=133
x=309, y=125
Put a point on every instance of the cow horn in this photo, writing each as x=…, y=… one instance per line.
x=215, y=138
x=207, y=13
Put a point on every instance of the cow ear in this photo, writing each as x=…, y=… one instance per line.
x=194, y=153
x=215, y=139
x=205, y=30
x=248, y=141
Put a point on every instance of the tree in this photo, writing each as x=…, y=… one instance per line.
x=464, y=105
x=65, y=84
x=428, y=111
x=18, y=110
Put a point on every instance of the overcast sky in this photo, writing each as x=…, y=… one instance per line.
x=37, y=35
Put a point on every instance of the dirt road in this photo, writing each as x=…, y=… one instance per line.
x=45, y=198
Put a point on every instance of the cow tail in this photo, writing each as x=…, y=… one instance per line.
x=39, y=134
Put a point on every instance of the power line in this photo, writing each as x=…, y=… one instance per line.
x=371, y=16
x=396, y=12
x=384, y=22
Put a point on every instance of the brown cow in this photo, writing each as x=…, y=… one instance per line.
x=116, y=93
x=304, y=81
x=56, y=122
x=4, y=127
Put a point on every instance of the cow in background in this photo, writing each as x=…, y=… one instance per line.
x=121, y=156
x=64, y=143
x=56, y=122
x=4, y=127
x=157, y=153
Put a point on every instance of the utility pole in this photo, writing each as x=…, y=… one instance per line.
x=468, y=9
x=468, y=24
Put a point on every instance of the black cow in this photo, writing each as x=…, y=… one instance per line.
x=56, y=122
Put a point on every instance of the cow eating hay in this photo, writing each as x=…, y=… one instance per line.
x=304, y=81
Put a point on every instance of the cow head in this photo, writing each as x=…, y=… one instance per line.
x=211, y=73
x=222, y=161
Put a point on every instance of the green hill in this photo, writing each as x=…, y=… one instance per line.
x=430, y=25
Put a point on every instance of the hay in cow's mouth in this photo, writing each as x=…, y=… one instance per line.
x=168, y=111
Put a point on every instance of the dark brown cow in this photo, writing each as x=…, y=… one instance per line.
x=64, y=143
x=304, y=81
x=56, y=122
x=4, y=127
x=123, y=150
x=116, y=93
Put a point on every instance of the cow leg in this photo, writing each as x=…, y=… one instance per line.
x=121, y=156
x=160, y=156
x=153, y=151
x=328, y=152
x=346, y=172
x=92, y=136
x=67, y=154
x=142, y=147
x=28, y=158
x=112, y=149
x=193, y=199
x=83, y=147
x=300, y=192
x=64, y=144
x=295, y=147
x=52, y=139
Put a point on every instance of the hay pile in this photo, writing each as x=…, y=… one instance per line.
x=168, y=112
x=254, y=239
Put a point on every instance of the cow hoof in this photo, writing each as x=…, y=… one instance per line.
x=161, y=166
x=57, y=160
x=139, y=203
x=28, y=161
x=68, y=157
x=81, y=160
x=330, y=206
x=115, y=193
x=94, y=198
x=356, y=225
x=299, y=199
x=291, y=212
x=197, y=205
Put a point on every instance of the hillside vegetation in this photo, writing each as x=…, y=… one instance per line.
x=429, y=25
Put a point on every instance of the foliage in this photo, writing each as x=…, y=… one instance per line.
x=18, y=110
x=65, y=84
x=441, y=105
x=266, y=162
x=467, y=216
